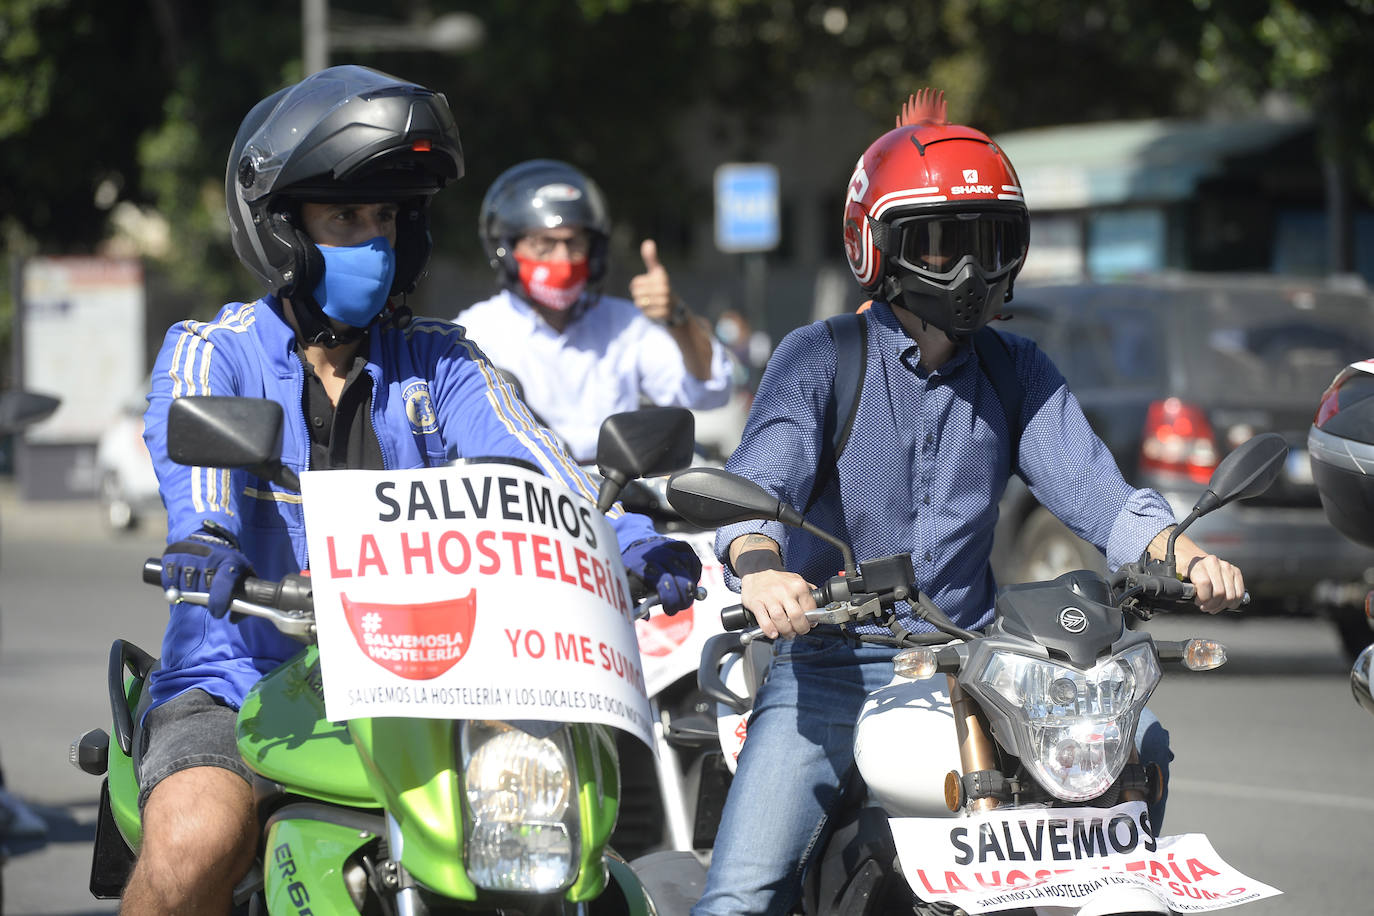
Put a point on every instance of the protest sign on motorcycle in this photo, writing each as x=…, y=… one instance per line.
x=483, y=591
x=1061, y=857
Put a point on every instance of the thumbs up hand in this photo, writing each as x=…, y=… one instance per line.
x=651, y=290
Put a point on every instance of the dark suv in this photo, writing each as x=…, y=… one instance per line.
x=1173, y=372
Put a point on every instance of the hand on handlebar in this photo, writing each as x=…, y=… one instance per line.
x=1219, y=584
x=779, y=601
x=207, y=561
x=666, y=566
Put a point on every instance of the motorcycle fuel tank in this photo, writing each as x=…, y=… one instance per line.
x=905, y=744
x=284, y=735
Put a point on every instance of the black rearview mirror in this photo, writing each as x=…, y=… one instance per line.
x=19, y=409
x=642, y=443
x=228, y=432
x=1248, y=471
x=710, y=497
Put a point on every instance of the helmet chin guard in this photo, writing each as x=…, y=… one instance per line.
x=935, y=221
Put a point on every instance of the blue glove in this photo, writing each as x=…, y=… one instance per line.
x=666, y=566
x=207, y=561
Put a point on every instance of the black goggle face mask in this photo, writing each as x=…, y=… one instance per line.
x=937, y=245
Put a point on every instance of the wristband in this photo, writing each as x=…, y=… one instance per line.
x=756, y=560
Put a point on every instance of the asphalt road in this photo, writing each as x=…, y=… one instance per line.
x=1273, y=755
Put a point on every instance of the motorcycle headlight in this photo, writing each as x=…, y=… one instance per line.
x=1075, y=729
x=522, y=814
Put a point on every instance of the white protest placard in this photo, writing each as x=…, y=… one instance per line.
x=480, y=591
x=1063, y=857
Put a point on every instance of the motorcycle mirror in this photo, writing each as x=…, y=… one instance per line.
x=1248, y=471
x=711, y=497
x=228, y=432
x=642, y=443
x=19, y=409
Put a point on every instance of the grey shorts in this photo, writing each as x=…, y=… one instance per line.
x=193, y=729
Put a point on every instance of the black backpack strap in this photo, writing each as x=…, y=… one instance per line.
x=994, y=355
x=849, y=331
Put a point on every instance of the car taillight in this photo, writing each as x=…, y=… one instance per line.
x=1329, y=406
x=1179, y=439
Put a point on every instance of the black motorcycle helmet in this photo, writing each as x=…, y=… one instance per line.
x=343, y=134
x=543, y=194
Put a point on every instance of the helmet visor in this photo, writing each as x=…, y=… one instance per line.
x=939, y=244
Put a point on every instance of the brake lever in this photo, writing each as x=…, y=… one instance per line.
x=298, y=625
x=836, y=612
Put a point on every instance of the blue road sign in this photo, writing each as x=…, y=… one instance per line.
x=747, y=207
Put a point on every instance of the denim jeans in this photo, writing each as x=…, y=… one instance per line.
x=794, y=767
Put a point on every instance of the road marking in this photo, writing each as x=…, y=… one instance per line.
x=1266, y=793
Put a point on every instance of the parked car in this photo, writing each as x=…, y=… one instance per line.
x=125, y=481
x=1175, y=371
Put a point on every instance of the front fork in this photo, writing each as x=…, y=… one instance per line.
x=976, y=753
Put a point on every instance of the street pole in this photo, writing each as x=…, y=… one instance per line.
x=314, y=35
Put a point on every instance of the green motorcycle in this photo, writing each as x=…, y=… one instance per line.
x=403, y=816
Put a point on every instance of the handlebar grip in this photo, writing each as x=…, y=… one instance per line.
x=261, y=591
x=736, y=617
x=1167, y=588
x=152, y=571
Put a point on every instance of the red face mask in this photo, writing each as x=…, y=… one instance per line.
x=553, y=284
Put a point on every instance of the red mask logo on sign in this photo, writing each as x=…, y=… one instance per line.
x=415, y=641
x=661, y=634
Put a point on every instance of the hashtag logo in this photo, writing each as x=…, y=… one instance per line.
x=372, y=622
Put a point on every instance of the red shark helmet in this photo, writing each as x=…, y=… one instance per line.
x=543, y=194
x=343, y=134
x=935, y=221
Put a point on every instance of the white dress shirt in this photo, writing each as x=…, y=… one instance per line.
x=609, y=359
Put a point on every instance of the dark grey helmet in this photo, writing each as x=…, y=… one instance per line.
x=344, y=133
x=543, y=194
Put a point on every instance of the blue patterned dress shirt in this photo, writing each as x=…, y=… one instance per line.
x=927, y=462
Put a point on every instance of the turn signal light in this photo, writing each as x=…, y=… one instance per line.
x=917, y=664
x=1203, y=654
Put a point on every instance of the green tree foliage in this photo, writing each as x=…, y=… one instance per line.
x=1318, y=51
x=79, y=80
x=139, y=99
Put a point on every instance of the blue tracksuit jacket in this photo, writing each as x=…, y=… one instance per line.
x=435, y=398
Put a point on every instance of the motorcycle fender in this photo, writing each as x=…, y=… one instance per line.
x=304, y=864
x=905, y=744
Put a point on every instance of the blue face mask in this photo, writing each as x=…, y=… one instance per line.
x=357, y=281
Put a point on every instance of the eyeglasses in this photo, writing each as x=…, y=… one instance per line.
x=542, y=247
